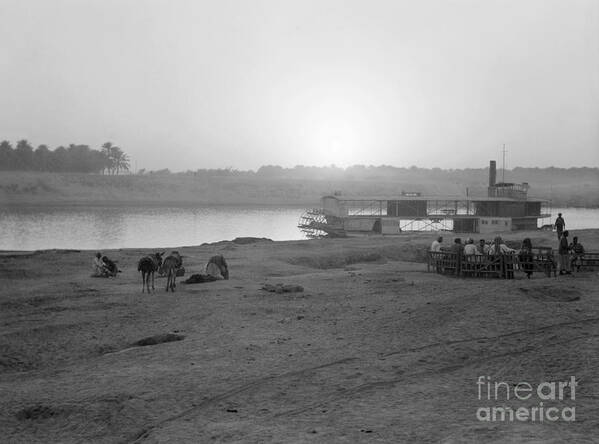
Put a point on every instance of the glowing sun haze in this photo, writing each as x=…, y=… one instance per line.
x=209, y=84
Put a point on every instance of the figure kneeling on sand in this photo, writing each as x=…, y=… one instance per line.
x=216, y=269
x=104, y=267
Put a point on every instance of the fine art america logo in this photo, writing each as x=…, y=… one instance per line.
x=549, y=401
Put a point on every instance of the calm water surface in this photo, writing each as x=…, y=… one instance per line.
x=35, y=228
x=32, y=228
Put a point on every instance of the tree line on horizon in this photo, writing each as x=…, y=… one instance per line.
x=387, y=172
x=110, y=159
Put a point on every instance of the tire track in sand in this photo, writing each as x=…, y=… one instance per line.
x=140, y=436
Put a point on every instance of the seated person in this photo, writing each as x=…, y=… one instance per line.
x=457, y=246
x=110, y=266
x=499, y=247
x=436, y=245
x=470, y=249
x=577, y=252
x=483, y=248
x=98, y=267
x=470, y=254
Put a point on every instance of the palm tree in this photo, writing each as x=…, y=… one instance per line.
x=107, y=151
x=117, y=160
x=121, y=160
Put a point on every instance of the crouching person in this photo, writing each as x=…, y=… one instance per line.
x=110, y=267
x=98, y=266
x=104, y=267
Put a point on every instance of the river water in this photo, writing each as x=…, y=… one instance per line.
x=98, y=227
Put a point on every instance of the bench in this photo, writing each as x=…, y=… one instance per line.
x=544, y=261
x=450, y=263
x=483, y=266
x=541, y=260
x=589, y=260
x=444, y=262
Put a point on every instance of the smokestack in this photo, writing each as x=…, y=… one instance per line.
x=492, y=173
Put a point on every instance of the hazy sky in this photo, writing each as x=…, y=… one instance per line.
x=204, y=84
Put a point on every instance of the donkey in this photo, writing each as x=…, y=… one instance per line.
x=170, y=266
x=148, y=266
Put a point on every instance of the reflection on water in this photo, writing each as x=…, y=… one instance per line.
x=106, y=226
x=32, y=228
x=126, y=227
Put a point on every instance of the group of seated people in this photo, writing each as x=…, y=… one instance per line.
x=473, y=253
x=569, y=255
x=470, y=248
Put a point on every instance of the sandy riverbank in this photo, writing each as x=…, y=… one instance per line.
x=374, y=350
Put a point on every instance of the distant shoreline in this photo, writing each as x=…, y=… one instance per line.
x=186, y=204
x=52, y=189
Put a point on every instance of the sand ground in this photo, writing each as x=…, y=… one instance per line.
x=374, y=350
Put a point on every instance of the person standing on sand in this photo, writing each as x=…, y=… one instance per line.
x=577, y=253
x=526, y=258
x=564, y=256
x=436, y=245
x=560, y=224
x=458, y=249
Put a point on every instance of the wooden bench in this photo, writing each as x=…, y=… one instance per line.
x=543, y=260
x=589, y=260
x=482, y=266
x=450, y=263
x=444, y=262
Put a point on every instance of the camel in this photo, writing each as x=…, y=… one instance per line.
x=148, y=266
x=217, y=267
x=170, y=266
x=162, y=271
